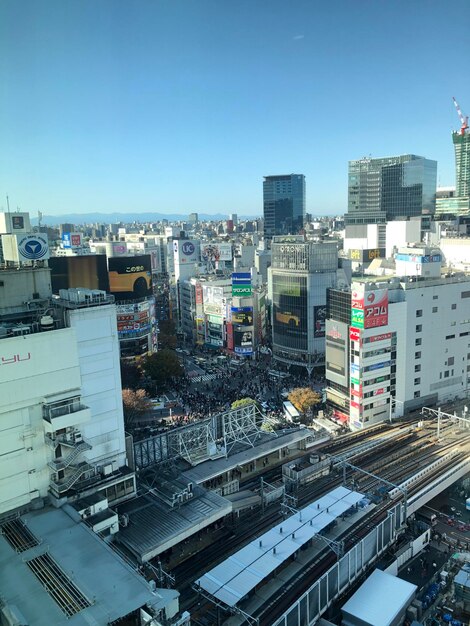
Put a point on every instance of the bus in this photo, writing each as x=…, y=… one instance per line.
x=290, y=412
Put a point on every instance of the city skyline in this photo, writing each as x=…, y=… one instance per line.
x=185, y=107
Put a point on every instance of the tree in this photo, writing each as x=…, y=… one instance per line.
x=130, y=374
x=135, y=404
x=167, y=334
x=161, y=367
x=304, y=398
x=238, y=404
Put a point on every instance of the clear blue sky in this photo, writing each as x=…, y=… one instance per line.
x=179, y=106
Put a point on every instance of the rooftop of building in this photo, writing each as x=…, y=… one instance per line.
x=87, y=582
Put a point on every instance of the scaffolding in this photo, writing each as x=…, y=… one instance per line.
x=207, y=439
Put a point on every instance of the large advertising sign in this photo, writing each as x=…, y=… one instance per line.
x=185, y=251
x=369, y=309
x=242, y=315
x=289, y=311
x=71, y=240
x=241, y=284
x=243, y=341
x=130, y=277
x=365, y=256
x=319, y=317
x=354, y=334
x=89, y=272
x=336, y=356
x=215, y=252
x=24, y=248
x=229, y=330
x=376, y=308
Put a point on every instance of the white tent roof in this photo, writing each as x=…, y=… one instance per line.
x=232, y=579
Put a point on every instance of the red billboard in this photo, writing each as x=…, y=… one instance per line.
x=354, y=334
x=229, y=331
x=375, y=308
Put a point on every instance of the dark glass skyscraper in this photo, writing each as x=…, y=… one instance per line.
x=390, y=188
x=283, y=204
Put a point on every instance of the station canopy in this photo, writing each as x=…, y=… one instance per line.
x=234, y=578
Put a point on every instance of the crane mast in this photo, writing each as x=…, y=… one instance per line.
x=463, y=120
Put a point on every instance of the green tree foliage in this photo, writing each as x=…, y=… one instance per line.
x=130, y=374
x=242, y=402
x=161, y=367
x=135, y=403
x=304, y=398
x=167, y=335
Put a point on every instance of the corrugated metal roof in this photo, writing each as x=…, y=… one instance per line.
x=233, y=579
x=380, y=599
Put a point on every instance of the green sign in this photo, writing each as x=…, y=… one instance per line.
x=357, y=318
x=355, y=381
x=242, y=290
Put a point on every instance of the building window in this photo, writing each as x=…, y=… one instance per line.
x=446, y=374
x=417, y=381
x=435, y=297
x=419, y=328
x=419, y=312
x=418, y=341
x=417, y=394
x=434, y=309
x=450, y=360
x=417, y=368
x=450, y=336
x=453, y=307
x=465, y=294
x=418, y=355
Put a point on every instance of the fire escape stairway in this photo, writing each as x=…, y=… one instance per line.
x=63, y=463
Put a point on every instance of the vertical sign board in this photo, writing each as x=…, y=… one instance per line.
x=376, y=308
x=241, y=284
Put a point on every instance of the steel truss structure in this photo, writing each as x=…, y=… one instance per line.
x=207, y=439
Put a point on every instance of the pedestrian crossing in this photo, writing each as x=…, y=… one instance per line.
x=204, y=379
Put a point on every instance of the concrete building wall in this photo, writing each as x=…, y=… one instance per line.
x=98, y=349
x=34, y=369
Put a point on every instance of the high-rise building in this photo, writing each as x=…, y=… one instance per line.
x=462, y=163
x=389, y=188
x=283, y=204
x=298, y=278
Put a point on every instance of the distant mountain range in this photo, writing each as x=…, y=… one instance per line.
x=126, y=218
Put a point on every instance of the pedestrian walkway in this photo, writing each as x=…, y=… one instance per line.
x=204, y=379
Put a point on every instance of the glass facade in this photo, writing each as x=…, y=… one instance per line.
x=390, y=188
x=290, y=311
x=462, y=163
x=283, y=204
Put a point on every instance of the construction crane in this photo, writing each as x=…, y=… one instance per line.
x=463, y=120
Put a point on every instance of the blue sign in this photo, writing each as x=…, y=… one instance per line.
x=377, y=366
x=241, y=278
x=240, y=350
x=188, y=248
x=66, y=240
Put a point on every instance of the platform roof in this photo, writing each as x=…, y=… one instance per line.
x=234, y=578
x=379, y=600
x=211, y=469
x=154, y=526
x=112, y=588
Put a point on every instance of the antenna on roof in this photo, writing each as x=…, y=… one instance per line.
x=8, y=203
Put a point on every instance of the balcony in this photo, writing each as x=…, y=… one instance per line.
x=59, y=487
x=64, y=414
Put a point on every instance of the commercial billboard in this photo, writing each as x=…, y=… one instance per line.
x=336, y=352
x=130, y=277
x=241, y=284
x=413, y=258
x=376, y=308
x=217, y=252
x=243, y=341
x=354, y=334
x=89, y=272
x=134, y=319
x=319, y=317
x=289, y=311
x=242, y=315
x=369, y=309
x=71, y=240
x=365, y=256
x=185, y=251
x=229, y=330
x=24, y=248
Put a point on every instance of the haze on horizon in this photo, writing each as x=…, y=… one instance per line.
x=177, y=107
